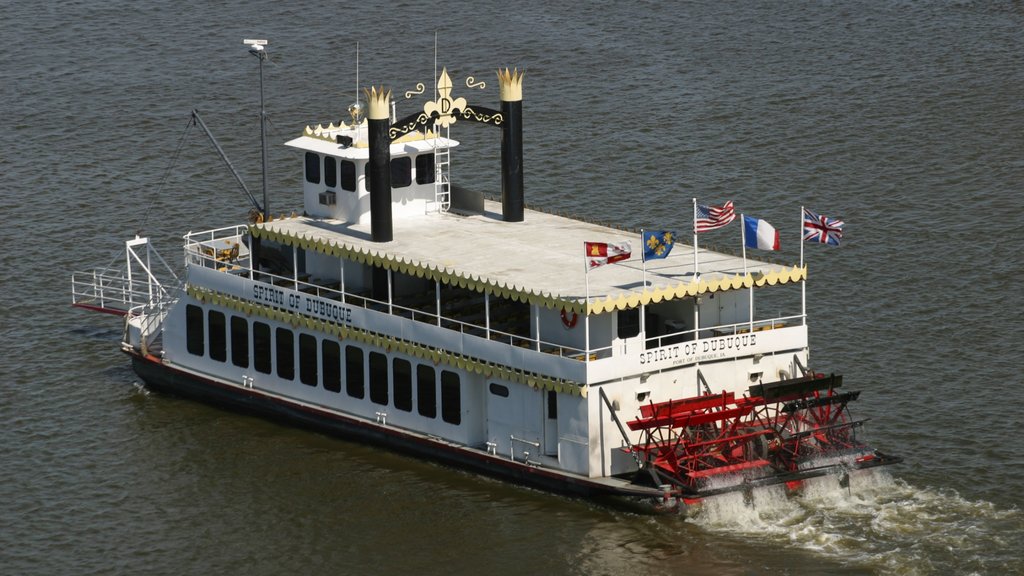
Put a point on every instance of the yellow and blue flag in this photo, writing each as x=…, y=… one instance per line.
x=657, y=243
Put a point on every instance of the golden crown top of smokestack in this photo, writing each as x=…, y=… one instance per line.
x=379, y=102
x=510, y=83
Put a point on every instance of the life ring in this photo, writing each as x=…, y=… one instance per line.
x=569, y=319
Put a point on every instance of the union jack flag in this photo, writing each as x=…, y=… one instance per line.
x=712, y=217
x=822, y=229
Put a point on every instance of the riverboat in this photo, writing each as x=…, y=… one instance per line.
x=395, y=308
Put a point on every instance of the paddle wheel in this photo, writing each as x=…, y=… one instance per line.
x=781, y=432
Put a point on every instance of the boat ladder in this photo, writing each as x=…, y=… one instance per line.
x=442, y=167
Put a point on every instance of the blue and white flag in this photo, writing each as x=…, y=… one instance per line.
x=759, y=234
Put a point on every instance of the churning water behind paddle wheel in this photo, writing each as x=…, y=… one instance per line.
x=779, y=432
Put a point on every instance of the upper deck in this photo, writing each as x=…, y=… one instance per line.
x=541, y=258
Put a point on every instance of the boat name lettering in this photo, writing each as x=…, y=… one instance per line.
x=329, y=310
x=302, y=303
x=699, y=350
x=268, y=294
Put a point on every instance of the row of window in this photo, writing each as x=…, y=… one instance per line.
x=324, y=363
x=401, y=171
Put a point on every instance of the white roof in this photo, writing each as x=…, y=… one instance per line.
x=544, y=254
x=328, y=147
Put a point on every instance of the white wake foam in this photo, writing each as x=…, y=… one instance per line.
x=877, y=521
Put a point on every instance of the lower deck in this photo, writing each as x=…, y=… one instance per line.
x=165, y=378
x=381, y=382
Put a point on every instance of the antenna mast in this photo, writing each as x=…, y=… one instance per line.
x=258, y=51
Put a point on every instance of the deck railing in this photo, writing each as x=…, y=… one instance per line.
x=211, y=249
x=143, y=278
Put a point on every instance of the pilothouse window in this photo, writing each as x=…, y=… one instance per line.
x=401, y=172
x=348, y=176
x=312, y=168
x=424, y=168
x=330, y=172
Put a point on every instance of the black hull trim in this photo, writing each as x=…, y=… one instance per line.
x=167, y=379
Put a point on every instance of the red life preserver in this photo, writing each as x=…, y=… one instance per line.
x=569, y=321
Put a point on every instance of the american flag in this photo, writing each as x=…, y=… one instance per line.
x=822, y=229
x=712, y=217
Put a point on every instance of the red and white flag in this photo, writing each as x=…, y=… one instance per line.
x=600, y=253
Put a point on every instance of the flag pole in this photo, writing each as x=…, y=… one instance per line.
x=586, y=305
x=696, y=276
x=802, y=236
x=643, y=256
x=743, y=239
x=803, y=283
x=696, y=272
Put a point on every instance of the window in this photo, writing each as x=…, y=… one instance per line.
x=330, y=355
x=218, y=336
x=261, y=346
x=552, y=405
x=426, y=390
x=424, y=168
x=451, y=398
x=378, y=378
x=240, y=341
x=307, y=359
x=312, y=167
x=285, y=353
x=348, y=175
x=629, y=323
x=498, y=389
x=354, y=372
x=402, y=375
x=401, y=172
x=330, y=172
x=195, y=340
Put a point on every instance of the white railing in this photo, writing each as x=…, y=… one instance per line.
x=722, y=330
x=211, y=249
x=320, y=289
x=118, y=290
x=221, y=248
x=108, y=289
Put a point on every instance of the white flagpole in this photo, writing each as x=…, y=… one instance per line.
x=801, y=236
x=696, y=272
x=696, y=276
x=586, y=305
x=803, y=283
x=743, y=238
x=643, y=256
